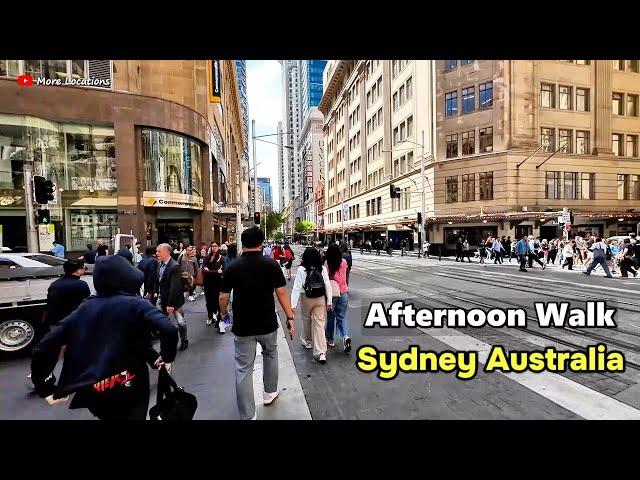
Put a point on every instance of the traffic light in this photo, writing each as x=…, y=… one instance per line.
x=394, y=191
x=44, y=217
x=419, y=218
x=42, y=190
x=256, y=218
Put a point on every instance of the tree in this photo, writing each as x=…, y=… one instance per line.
x=304, y=226
x=278, y=236
x=273, y=221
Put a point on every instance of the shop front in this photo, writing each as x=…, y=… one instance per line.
x=79, y=159
x=173, y=199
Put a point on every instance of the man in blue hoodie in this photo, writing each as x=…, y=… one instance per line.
x=108, y=343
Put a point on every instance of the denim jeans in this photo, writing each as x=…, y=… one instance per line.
x=599, y=261
x=245, y=355
x=338, y=315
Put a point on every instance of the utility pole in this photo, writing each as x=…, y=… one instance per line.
x=421, y=232
x=255, y=171
x=32, y=232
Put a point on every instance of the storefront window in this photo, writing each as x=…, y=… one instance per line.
x=172, y=163
x=79, y=159
x=91, y=226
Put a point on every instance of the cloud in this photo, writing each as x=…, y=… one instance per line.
x=264, y=92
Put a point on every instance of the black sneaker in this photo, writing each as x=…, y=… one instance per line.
x=347, y=344
x=184, y=344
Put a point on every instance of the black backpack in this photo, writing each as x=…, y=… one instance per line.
x=314, y=284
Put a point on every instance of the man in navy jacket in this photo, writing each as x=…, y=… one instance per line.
x=108, y=342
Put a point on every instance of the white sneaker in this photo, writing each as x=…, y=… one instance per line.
x=322, y=358
x=268, y=398
x=331, y=343
x=222, y=326
x=191, y=299
x=305, y=343
x=209, y=321
x=255, y=417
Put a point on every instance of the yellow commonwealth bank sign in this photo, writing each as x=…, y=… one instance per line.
x=172, y=200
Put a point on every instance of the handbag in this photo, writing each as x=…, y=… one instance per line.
x=199, y=280
x=173, y=404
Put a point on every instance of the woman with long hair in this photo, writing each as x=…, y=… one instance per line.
x=316, y=299
x=212, y=268
x=337, y=268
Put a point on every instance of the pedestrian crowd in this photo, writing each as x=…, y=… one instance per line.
x=108, y=339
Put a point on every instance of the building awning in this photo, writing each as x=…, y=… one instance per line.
x=541, y=216
x=96, y=202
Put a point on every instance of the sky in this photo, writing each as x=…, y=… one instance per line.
x=264, y=93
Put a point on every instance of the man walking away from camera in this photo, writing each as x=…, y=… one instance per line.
x=66, y=293
x=253, y=279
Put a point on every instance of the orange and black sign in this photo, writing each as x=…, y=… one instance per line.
x=215, y=84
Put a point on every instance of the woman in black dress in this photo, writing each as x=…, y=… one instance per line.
x=212, y=272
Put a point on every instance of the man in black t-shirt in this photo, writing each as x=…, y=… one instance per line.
x=253, y=279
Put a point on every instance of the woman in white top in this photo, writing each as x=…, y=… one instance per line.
x=316, y=301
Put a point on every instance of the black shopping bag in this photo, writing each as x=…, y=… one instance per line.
x=173, y=403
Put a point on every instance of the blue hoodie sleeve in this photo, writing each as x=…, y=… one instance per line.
x=45, y=356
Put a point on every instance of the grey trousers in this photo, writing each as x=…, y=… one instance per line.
x=245, y=356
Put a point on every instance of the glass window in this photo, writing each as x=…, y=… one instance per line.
x=582, y=99
x=565, y=97
x=632, y=65
x=587, y=187
x=565, y=140
x=486, y=185
x=9, y=68
x=468, y=142
x=632, y=145
x=468, y=187
x=409, y=88
x=452, y=145
x=395, y=101
x=486, y=139
x=485, y=95
x=616, y=144
x=172, y=163
x=621, y=187
x=450, y=64
x=77, y=69
x=616, y=104
x=452, y=189
x=410, y=126
x=547, y=139
x=548, y=95
x=570, y=185
x=401, y=97
x=468, y=99
x=582, y=142
x=90, y=225
x=466, y=62
x=553, y=186
x=632, y=105
x=451, y=103
x=628, y=187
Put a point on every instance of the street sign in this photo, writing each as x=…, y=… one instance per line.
x=565, y=217
x=345, y=211
x=46, y=236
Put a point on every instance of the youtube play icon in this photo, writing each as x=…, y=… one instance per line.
x=25, y=80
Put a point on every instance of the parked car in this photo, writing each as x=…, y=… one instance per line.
x=24, y=281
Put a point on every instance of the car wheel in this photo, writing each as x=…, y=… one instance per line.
x=16, y=335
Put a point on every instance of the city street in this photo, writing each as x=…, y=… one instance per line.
x=338, y=390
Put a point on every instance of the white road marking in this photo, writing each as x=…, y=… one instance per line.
x=291, y=404
x=577, y=398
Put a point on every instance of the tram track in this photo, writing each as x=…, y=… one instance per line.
x=452, y=293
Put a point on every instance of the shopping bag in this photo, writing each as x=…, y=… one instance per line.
x=173, y=404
